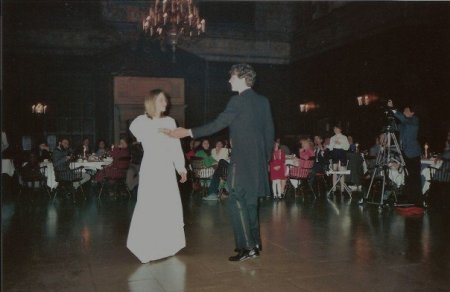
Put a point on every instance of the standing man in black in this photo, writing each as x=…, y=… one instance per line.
x=409, y=128
x=249, y=118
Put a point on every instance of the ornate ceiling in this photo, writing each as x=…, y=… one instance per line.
x=255, y=31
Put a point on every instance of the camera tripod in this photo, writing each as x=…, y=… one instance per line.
x=388, y=155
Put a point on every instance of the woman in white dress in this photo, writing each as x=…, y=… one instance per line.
x=157, y=227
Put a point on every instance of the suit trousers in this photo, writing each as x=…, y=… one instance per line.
x=213, y=188
x=413, y=181
x=243, y=212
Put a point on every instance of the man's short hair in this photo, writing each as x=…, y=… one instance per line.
x=244, y=71
x=319, y=135
x=338, y=125
x=412, y=108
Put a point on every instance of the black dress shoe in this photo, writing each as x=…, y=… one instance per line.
x=244, y=254
x=257, y=246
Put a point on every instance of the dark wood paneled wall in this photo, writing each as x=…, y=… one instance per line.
x=406, y=63
x=410, y=64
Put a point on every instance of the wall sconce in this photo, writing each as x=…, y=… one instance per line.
x=363, y=100
x=307, y=107
x=366, y=99
x=303, y=108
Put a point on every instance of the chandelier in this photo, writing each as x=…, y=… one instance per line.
x=171, y=21
x=38, y=108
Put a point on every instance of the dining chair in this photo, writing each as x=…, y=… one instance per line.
x=300, y=175
x=438, y=194
x=201, y=173
x=223, y=185
x=66, y=179
x=33, y=181
x=115, y=175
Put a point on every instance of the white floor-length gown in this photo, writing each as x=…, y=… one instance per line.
x=157, y=227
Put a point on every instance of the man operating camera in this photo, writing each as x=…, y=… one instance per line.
x=409, y=128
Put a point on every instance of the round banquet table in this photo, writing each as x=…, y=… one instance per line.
x=95, y=165
x=8, y=167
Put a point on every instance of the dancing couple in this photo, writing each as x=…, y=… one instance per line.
x=249, y=119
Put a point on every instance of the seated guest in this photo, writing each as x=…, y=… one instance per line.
x=137, y=153
x=436, y=163
x=227, y=144
x=222, y=155
x=338, y=147
x=373, y=152
x=306, y=150
x=193, y=145
x=44, y=152
x=101, y=150
x=284, y=148
x=277, y=171
x=219, y=152
x=4, y=141
x=121, y=160
x=320, y=154
x=446, y=153
x=84, y=149
x=375, y=149
x=31, y=169
x=204, y=152
x=352, y=147
x=62, y=155
x=209, y=161
x=219, y=172
x=305, y=154
x=61, y=160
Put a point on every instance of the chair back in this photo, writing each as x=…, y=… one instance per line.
x=122, y=162
x=441, y=174
x=34, y=175
x=68, y=175
x=200, y=170
x=115, y=173
x=303, y=170
x=118, y=169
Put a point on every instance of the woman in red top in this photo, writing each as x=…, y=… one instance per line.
x=121, y=161
x=306, y=151
x=278, y=171
x=193, y=145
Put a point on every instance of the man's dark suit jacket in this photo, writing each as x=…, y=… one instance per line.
x=249, y=119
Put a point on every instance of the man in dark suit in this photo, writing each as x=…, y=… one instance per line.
x=249, y=118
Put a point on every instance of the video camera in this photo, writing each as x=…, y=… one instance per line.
x=390, y=124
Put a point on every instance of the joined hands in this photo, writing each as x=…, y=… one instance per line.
x=175, y=133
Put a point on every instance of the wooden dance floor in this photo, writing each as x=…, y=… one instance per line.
x=308, y=245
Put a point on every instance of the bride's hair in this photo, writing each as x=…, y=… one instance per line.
x=150, y=102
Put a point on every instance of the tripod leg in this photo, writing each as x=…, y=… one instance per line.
x=382, y=190
x=371, y=182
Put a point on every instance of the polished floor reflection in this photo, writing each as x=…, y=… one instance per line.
x=308, y=245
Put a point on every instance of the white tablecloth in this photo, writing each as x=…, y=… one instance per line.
x=291, y=161
x=51, y=183
x=425, y=172
x=8, y=167
x=295, y=162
